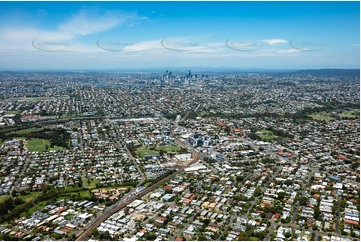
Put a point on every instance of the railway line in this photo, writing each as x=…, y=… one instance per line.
x=117, y=207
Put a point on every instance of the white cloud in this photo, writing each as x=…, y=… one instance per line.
x=86, y=23
x=144, y=46
x=288, y=51
x=275, y=41
x=83, y=23
x=174, y=45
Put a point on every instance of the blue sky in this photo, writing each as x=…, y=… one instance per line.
x=112, y=35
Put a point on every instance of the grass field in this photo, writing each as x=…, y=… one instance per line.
x=73, y=189
x=267, y=135
x=112, y=187
x=39, y=206
x=69, y=216
x=92, y=183
x=11, y=112
x=83, y=194
x=143, y=151
x=169, y=148
x=349, y=114
x=23, y=132
x=19, y=133
x=321, y=116
x=3, y=198
x=40, y=145
x=30, y=196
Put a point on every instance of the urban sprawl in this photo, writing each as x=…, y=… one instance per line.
x=178, y=156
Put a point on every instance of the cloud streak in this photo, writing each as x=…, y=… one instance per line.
x=84, y=23
x=275, y=41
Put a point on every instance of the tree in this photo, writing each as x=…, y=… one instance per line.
x=303, y=200
x=18, y=201
x=150, y=236
x=161, y=152
x=56, y=236
x=317, y=213
x=9, y=204
x=257, y=192
x=343, y=203
x=312, y=236
x=206, y=222
x=202, y=237
x=95, y=233
x=3, y=209
x=281, y=195
x=105, y=236
x=314, y=227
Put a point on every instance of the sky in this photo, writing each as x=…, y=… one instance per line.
x=123, y=35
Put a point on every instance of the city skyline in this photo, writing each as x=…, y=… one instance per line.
x=121, y=35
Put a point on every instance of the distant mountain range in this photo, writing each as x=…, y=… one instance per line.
x=330, y=72
x=313, y=72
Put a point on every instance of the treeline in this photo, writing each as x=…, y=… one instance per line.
x=171, y=116
x=280, y=133
x=332, y=105
x=233, y=115
x=11, y=208
x=57, y=137
x=9, y=204
x=328, y=107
